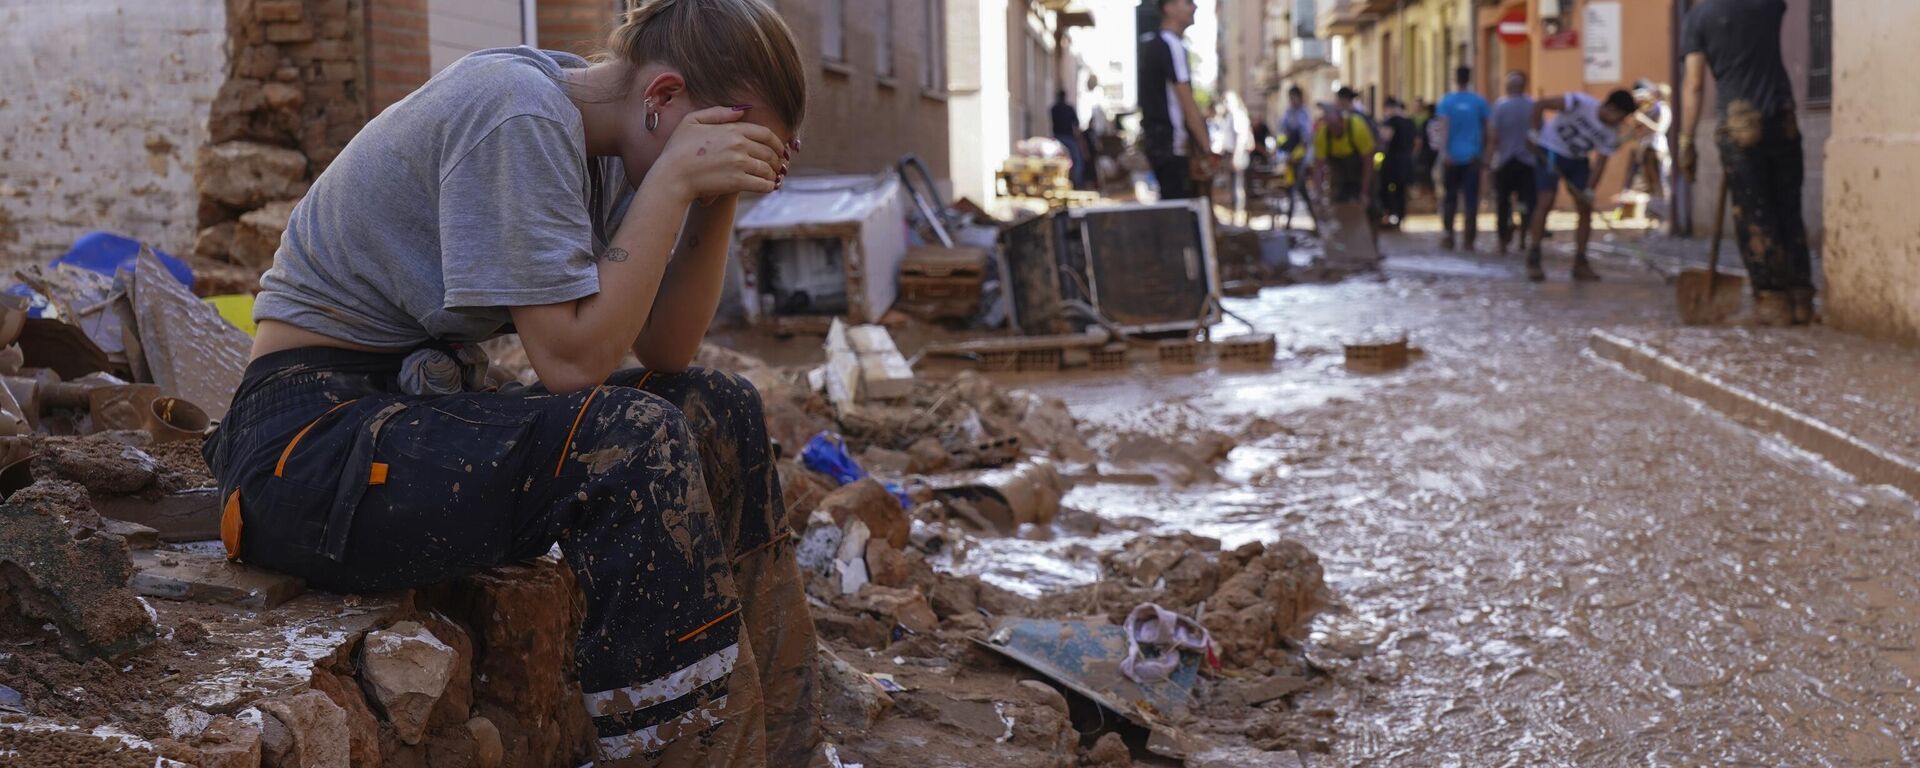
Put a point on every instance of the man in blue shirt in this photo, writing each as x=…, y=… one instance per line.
x=1466, y=115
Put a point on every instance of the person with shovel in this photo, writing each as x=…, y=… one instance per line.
x=1760, y=149
x=1583, y=126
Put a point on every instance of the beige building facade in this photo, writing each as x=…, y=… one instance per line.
x=1872, y=174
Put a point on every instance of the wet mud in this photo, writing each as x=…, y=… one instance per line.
x=1533, y=555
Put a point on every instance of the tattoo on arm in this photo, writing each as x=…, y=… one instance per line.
x=614, y=254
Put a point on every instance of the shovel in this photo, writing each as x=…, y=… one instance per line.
x=1708, y=297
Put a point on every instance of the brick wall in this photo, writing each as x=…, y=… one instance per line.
x=296, y=92
x=396, y=50
x=579, y=26
x=858, y=122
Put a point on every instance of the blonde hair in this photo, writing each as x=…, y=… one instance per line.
x=726, y=49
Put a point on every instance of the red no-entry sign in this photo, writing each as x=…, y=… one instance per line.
x=1513, y=26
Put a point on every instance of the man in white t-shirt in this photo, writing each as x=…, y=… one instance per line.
x=1582, y=127
x=1171, y=124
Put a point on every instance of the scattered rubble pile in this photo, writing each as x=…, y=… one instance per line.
x=1253, y=599
x=144, y=646
x=472, y=673
x=937, y=425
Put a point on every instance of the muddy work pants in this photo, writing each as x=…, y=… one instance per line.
x=1513, y=188
x=660, y=490
x=1763, y=160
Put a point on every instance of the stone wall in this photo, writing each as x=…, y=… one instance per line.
x=103, y=106
x=293, y=98
x=1873, y=174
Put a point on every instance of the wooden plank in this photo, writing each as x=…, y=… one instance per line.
x=184, y=516
x=210, y=579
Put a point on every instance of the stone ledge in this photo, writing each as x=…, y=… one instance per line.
x=1742, y=401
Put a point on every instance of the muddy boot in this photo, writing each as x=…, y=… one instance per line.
x=1772, y=309
x=1446, y=242
x=1802, y=301
x=1534, y=272
x=1583, y=271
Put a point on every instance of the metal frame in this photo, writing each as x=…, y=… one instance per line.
x=1209, y=261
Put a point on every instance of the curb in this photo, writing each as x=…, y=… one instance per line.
x=1865, y=461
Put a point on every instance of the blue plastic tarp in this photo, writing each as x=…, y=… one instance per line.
x=107, y=254
x=826, y=453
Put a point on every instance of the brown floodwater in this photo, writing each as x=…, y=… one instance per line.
x=1537, y=558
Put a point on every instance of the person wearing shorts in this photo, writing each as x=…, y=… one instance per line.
x=1583, y=127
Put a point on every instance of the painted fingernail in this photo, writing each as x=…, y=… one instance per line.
x=742, y=107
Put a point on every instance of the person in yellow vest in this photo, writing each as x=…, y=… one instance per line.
x=1343, y=150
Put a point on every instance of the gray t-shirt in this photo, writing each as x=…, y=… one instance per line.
x=1513, y=119
x=471, y=195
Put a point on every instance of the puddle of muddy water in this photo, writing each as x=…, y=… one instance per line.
x=1536, y=558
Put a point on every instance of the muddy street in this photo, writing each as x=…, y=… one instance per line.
x=1537, y=557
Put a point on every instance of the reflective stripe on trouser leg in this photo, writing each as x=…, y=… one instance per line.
x=660, y=651
x=727, y=420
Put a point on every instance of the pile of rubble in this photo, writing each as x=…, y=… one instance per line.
x=143, y=645
x=237, y=668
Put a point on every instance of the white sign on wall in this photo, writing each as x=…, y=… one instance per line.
x=1602, y=43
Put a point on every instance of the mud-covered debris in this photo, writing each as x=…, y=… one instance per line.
x=1180, y=460
x=1276, y=589
x=65, y=498
x=407, y=669
x=77, y=585
x=885, y=565
x=954, y=596
x=1109, y=751
x=871, y=503
x=210, y=578
x=487, y=749
x=316, y=730
x=928, y=454
x=102, y=466
x=226, y=743
x=849, y=698
x=1185, y=567
x=886, y=462
x=903, y=607
x=801, y=489
x=854, y=628
x=36, y=743
x=1256, y=597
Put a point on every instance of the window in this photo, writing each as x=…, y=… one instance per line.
x=883, y=42
x=933, y=47
x=1820, y=52
x=833, y=30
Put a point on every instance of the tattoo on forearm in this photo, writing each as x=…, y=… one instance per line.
x=614, y=254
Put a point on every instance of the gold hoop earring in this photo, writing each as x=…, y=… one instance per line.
x=653, y=118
